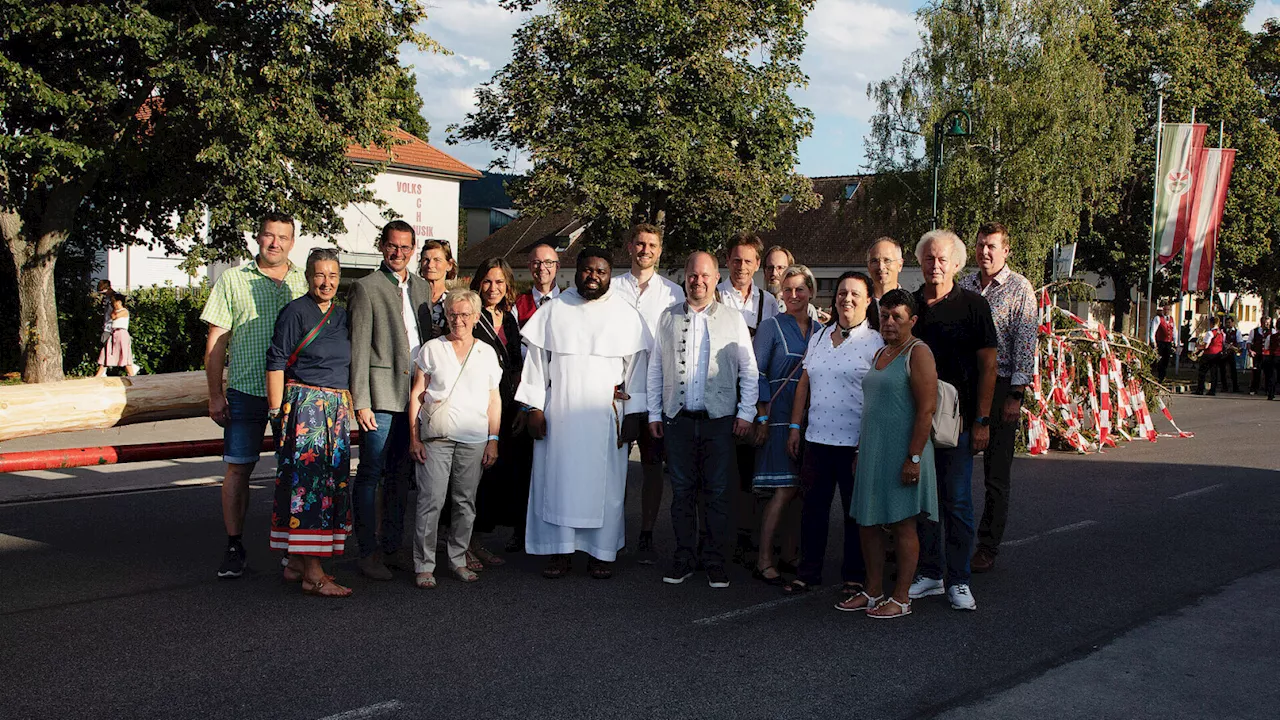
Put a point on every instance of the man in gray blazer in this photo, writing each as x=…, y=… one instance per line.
x=385, y=315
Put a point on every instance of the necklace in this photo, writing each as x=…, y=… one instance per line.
x=844, y=331
x=897, y=349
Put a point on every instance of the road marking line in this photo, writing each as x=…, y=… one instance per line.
x=1065, y=528
x=746, y=610
x=1193, y=493
x=367, y=711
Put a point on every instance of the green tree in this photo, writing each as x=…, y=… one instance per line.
x=667, y=111
x=1049, y=137
x=187, y=120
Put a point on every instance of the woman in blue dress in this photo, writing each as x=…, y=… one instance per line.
x=780, y=345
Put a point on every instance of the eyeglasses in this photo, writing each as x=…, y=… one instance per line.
x=458, y=316
x=543, y=263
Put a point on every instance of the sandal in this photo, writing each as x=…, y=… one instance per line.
x=557, y=567
x=473, y=562
x=903, y=610
x=318, y=589
x=859, y=602
x=775, y=581
x=425, y=581
x=297, y=577
x=797, y=587
x=599, y=569
x=466, y=574
x=486, y=557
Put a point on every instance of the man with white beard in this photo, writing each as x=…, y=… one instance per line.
x=585, y=371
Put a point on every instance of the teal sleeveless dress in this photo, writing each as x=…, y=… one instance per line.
x=879, y=497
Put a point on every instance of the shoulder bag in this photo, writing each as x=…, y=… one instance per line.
x=946, y=416
x=435, y=423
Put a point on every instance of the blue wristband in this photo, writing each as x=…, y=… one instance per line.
x=763, y=418
x=794, y=426
x=493, y=438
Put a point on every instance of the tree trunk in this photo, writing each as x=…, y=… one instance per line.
x=1120, y=306
x=37, y=315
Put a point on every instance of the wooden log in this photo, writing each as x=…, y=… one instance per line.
x=98, y=403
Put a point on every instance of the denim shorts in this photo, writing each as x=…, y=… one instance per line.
x=245, y=428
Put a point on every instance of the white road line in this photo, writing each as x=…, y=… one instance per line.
x=747, y=610
x=1065, y=528
x=1193, y=493
x=367, y=711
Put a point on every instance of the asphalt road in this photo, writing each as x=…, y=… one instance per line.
x=109, y=609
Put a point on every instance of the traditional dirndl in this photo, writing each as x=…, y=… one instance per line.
x=117, y=351
x=312, y=511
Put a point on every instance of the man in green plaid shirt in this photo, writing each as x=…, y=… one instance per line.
x=241, y=313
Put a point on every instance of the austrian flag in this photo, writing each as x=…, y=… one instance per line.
x=1180, y=148
x=1209, y=198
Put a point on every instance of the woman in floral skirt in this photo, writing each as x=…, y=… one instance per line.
x=308, y=366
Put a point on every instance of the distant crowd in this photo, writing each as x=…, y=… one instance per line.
x=749, y=404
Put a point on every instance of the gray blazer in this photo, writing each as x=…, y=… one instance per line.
x=381, y=370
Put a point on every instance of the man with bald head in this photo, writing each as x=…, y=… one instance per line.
x=884, y=264
x=702, y=389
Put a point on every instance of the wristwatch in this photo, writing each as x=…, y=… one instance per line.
x=915, y=459
x=984, y=420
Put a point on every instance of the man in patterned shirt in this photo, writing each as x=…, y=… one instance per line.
x=1013, y=307
x=241, y=314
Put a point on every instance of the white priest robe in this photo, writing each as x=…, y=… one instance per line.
x=578, y=352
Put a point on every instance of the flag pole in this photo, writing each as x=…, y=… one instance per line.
x=1213, y=266
x=1155, y=200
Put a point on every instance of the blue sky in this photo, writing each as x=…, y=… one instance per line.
x=850, y=43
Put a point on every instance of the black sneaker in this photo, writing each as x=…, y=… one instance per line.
x=232, y=562
x=681, y=570
x=717, y=577
x=644, y=549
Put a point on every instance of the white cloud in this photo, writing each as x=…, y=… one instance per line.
x=1262, y=11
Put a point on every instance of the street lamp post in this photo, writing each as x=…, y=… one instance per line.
x=957, y=129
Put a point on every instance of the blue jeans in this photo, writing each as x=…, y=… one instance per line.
x=951, y=539
x=245, y=428
x=700, y=456
x=825, y=468
x=384, y=457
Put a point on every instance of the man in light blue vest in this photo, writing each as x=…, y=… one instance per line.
x=702, y=390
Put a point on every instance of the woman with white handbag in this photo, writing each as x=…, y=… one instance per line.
x=455, y=411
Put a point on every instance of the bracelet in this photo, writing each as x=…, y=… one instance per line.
x=273, y=413
x=763, y=418
x=494, y=438
x=794, y=426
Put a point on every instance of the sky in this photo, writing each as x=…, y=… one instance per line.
x=850, y=44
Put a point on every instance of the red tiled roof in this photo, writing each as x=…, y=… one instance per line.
x=414, y=154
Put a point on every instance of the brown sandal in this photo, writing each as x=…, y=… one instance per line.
x=317, y=589
x=599, y=569
x=486, y=557
x=473, y=562
x=557, y=567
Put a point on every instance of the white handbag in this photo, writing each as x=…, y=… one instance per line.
x=946, y=416
x=436, y=424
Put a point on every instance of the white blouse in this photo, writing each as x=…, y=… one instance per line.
x=835, y=384
x=469, y=403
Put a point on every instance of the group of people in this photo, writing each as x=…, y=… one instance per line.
x=1219, y=351
x=520, y=410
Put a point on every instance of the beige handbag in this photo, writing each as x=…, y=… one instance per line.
x=436, y=423
x=946, y=417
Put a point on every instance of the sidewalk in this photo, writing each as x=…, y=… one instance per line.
x=1214, y=659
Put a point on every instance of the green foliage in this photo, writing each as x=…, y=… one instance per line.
x=666, y=111
x=164, y=322
x=1049, y=136
x=188, y=120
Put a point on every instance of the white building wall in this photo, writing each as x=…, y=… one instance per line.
x=144, y=265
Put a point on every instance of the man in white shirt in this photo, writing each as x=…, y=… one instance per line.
x=702, y=389
x=650, y=293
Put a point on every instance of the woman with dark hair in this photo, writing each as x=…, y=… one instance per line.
x=896, y=482
x=828, y=411
x=117, y=349
x=503, y=498
x=309, y=407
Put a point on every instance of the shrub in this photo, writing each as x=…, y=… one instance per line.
x=164, y=322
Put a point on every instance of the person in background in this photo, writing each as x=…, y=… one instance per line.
x=1230, y=351
x=1014, y=310
x=104, y=294
x=118, y=349
x=649, y=293
x=308, y=369
x=437, y=267
x=241, y=314
x=958, y=327
x=1212, y=343
x=544, y=263
x=780, y=345
x=884, y=265
x=776, y=261
x=827, y=413
x=1164, y=338
x=1258, y=340
x=503, y=497
x=1271, y=364
x=456, y=375
x=390, y=317
x=1186, y=333
x=896, y=479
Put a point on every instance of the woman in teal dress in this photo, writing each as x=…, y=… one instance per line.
x=895, y=482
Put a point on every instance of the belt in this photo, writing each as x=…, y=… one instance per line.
x=694, y=414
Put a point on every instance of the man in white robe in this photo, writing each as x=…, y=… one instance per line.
x=585, y=371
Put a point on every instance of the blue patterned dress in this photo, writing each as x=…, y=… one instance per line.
x=780, y=346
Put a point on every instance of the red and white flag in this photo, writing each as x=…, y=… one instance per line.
x=1209, y=197
x=1180, y=146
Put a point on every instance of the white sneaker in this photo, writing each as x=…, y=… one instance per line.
x=924, y=587
x=961, y=598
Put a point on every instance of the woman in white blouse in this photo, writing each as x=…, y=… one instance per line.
x=828, y=408
x=456, y=376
